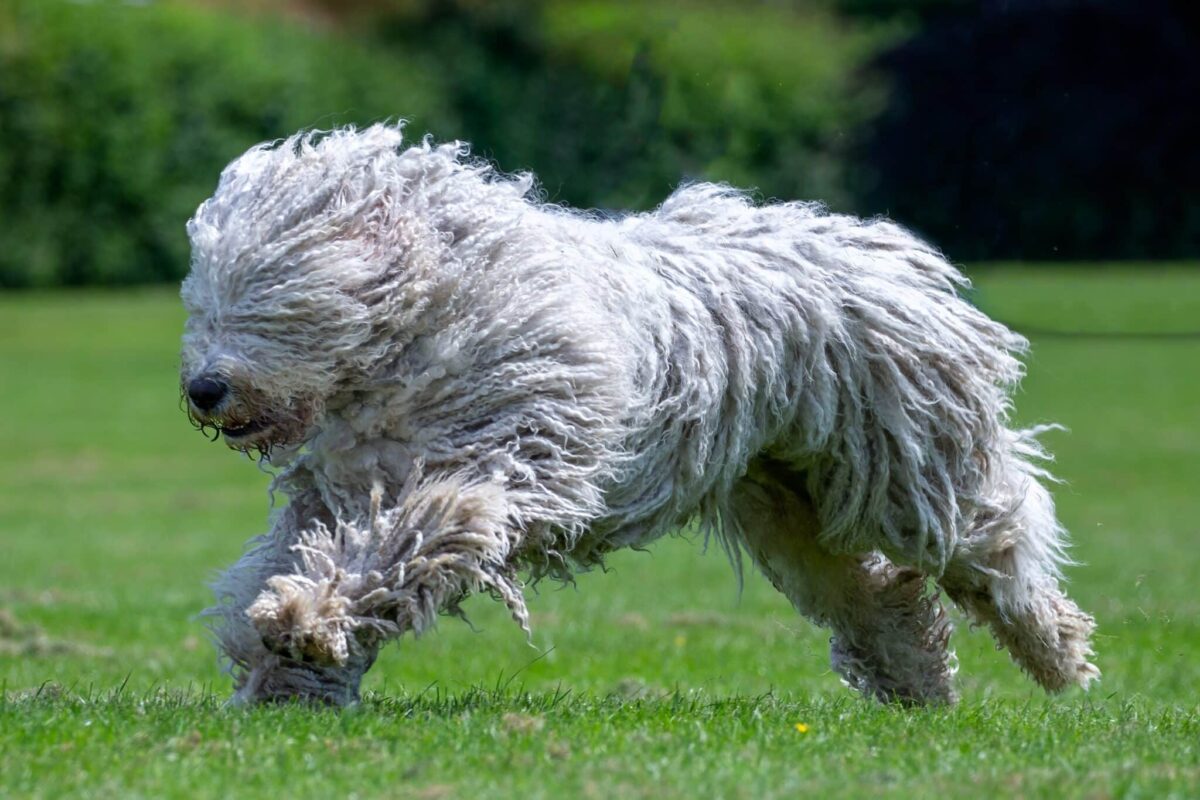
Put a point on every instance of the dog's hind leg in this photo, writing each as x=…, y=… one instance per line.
x=1004, y=572
x=890, y=636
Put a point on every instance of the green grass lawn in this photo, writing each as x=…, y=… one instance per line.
x=653, y=679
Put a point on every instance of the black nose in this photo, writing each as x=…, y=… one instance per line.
x=206, y=393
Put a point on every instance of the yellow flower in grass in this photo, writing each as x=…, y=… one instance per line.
x=801, y=727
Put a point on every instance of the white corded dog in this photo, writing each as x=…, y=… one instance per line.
x=459, y=385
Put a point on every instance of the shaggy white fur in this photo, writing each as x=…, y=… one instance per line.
x=458, y=384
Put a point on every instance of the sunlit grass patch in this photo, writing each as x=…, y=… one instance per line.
x=654, y=679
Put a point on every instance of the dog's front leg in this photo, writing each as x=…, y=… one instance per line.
x=262, y=670
x=351, y=587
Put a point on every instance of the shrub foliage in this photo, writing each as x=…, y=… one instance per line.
x=999, y=129
x=614, y=103
x=116, y=118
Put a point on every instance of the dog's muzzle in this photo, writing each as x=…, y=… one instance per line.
x=213, y=405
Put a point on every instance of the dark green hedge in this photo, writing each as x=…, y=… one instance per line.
x=984, y=126
x=116, y=118
x=613, y=103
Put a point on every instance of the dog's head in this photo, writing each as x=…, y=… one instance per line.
x=293, y=260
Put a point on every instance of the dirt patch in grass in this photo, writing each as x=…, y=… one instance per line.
x=24, y=639
x=522, y=723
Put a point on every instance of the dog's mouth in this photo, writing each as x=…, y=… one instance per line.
x=245, y=429
x=239, y=434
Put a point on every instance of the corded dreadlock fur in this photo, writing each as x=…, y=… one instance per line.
x=456, y=383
